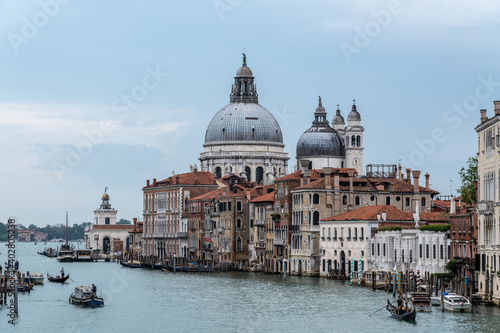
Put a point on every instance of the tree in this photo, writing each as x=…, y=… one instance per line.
x=123, y=221
x=468, y=176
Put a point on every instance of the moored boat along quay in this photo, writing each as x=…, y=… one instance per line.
x=184, y=302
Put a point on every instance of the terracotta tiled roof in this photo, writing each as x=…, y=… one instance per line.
x=190, y=178
x=370, y=213
x=209, y=195
x=315, y=174
x=269, y=197
x=447, y=203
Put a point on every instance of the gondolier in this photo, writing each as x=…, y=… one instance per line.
x=62, y=272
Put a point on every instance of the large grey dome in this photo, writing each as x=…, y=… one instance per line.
x=247, y=122
x=320, y=139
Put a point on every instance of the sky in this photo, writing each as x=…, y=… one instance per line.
x=97, y=94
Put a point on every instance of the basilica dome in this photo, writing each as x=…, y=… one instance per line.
x=320, y=139
x=247, y=122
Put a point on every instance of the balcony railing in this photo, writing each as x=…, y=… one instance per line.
x=301, y=252
x=207, y=247
x=182, y=234
x=221, y=230
x=309, y=228
x=192, y=249
x=294, y=228
x=278, y=241
x=485, y=207
x=260, y=245
x=260, y=223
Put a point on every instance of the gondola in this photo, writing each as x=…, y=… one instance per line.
x=57, y=278
x=407, y=315
x=134, y=264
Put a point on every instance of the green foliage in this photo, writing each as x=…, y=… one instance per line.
x=467, y=176
x=123, y=221
x=436, y=227
x=446, y=276
x=389, y=229
x=452, y=265
x=77, y=231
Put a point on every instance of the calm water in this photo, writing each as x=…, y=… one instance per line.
x=145, y=300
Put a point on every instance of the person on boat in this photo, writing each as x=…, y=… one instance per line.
x=16, y=265
x=62, y=272
x=94, y=289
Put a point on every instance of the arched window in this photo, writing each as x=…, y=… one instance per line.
x=238, y=224
x=358, y=141
x=259, y=175
x=424, y=202
x=238, y=244
x=388, y=200
x=407, y=202
x=316, y=218
x=218, y=172
x=316, y=199
x=356, y=201
x=353, y=141
x=247, y=172
x=344, y=200
x=106, y=245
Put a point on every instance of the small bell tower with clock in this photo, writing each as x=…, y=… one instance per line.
x=354, y=140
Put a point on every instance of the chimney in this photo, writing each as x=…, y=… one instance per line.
x=399, y=171
x=378, y=217
x=307, y=173
x=416, y=175
x=483, y=115
x=384, y=215
x=427, y=180
x=195, y=168
x=408, y=171
x=328, y=172
x=223, y=191
x=336, y=180
x=497, y=107
x=196, y=181
x=147, y=182
x=351, y=173
x=177, y=179
x=154, y=181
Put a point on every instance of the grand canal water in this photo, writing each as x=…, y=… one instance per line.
x=146, y=300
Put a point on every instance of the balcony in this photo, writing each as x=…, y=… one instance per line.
x=300, y=252
x=278, y=242
x=485, y=207
x=293, y=228
x=207, y=247
x=221, y=230
x=260, y=245
x=192, y=249
x=260, y=223
x=309, y=228
x=182, y=234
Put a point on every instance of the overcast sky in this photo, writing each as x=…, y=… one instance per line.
x=112, y=93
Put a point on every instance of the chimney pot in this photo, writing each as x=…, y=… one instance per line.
x=147, y=182
x=154, y=181
x=427, y=180
x=384, y=215
x=416, y=176
x=483, y=115
x=497, y=107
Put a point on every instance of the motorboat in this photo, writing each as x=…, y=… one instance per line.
x=421, y=301
x=85, y=297
x=84, y=255
x=436, y=300
x=456, y=303
x=66, y=253
x=37, y=278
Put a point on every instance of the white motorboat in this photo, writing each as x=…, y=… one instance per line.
x=456, y=303
x=436, y=300
x=37, y=278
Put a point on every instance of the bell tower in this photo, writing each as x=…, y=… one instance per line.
x=354, y=140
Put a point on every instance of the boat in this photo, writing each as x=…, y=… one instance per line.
x=37, y=278
x=131, y=264
x=58, y=278
x=408, y=315
x=50, y=252
x=85, y=297
x=66, y=253
x=421, y=302
x=436, y=300
x=83, y=255
x=456, y=303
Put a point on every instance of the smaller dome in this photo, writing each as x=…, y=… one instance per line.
x=338, y=119
x=354, y=114
x=244, y=71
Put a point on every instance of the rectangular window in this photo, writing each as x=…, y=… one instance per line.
x=229, y=206
x=433, y=251
x=323, y=265
x=427, y=251
x=107, y=220
x=238, y=206
x=420, y=251
x=442, y=254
